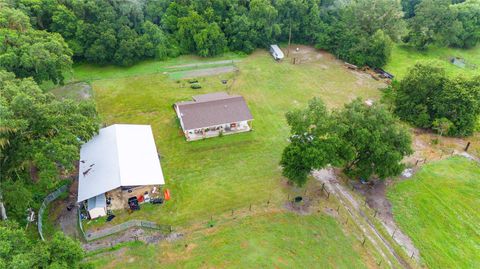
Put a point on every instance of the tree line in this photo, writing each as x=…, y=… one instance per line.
x=125, y=32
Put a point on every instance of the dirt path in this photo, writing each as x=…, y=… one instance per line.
x=204, y=72
x=205, y=63
x=352, y=206
x=376, y=199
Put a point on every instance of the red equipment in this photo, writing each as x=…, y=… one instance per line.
x=166, y=194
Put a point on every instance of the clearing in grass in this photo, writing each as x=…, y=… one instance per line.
x=438, y=209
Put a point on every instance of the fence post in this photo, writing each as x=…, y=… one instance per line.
x=468, y=146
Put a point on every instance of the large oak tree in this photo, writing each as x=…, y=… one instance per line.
x=365, y=141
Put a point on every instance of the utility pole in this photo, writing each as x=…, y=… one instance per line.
x=289, y=37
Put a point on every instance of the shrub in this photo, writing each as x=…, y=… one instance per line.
x=195, y=86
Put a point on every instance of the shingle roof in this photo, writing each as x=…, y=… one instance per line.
x=213, y=109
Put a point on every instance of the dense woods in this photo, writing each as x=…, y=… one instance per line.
x=125, y=32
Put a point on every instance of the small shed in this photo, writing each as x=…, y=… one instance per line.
x=276, y=52
x=97, y=206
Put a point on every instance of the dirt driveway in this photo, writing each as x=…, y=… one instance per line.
x=352, y=205
x=68, y=220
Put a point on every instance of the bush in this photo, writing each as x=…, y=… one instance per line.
x=195, y=86
x=192, y=80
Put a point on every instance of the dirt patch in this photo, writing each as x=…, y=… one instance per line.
x=376, y=198
x=64, y=219
x=302, y=208
x=77, y=91
x=203, y=72
x=305, y=54
x=68, y=219
x=330, y=211
x=133, y=234
x=204, y=64
x=352, y=205
x=434, y=147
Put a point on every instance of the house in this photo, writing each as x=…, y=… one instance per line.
x=120, y=163
x=212, y=114
x=276, y=52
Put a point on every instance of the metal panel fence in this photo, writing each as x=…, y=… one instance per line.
x=48, y=199
x=90, y=236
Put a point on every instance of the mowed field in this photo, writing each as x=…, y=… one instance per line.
x=270, y=240
x=404, y=57
x=211, y=177
x=215, y=175
x=439, y=209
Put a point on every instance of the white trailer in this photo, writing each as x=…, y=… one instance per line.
x=276, y=52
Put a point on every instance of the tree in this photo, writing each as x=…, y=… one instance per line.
x=408, y=7
x=361, y=32
x=210, y=41
x=427, y=98
x=374, y=15
x=27, y=52
x=413, y=95
x=188, y=27
x=18, y=251
x=312, y=144
x=65, y=251
x=434, y=22
x=239, y=34
x=459, y=102
x=364, y=140
x=442, y=125
x=376, y=139
x=263, y=17
x=43, y=140
x=468, y=13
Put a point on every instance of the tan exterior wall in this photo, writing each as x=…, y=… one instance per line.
x=226, y=129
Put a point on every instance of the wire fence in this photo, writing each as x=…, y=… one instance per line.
x=90, y=236
x=48, y=199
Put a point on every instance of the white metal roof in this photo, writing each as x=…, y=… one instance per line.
x=277, y=51
x=120, y=155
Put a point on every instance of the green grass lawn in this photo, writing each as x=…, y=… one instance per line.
x=218, y=174
x=439, y=208
x=88, y=72
x=271, y=240
x=404, y=57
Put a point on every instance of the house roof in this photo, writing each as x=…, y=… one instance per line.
x=213, y=109
x=120, y=155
